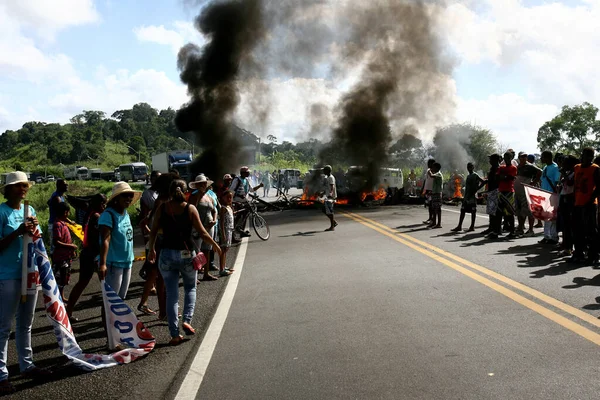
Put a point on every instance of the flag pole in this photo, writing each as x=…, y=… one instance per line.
x=25, y=256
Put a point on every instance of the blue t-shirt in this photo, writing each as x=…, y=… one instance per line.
x=52, y=206
x=120, y=249
x=550, y=175
x=11, y=257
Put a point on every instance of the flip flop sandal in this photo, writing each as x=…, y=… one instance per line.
x=225, y=273
x=176, y=341
x=187, y=328
x=146, y=310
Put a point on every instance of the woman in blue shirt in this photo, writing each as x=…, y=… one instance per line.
x=12, y=229
x=116, y=239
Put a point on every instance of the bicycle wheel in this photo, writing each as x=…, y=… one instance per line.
x=260, y=227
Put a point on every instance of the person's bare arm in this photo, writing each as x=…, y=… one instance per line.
x=105, y=235
x=153, y=233
x=193, y=212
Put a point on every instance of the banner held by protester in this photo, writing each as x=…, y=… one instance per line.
x=543, y=204
x=125, y=326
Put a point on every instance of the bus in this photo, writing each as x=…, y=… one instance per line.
x=136, y=171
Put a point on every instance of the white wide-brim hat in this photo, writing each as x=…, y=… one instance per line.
x=16, y=177
x=200, y=179
x=123, y=187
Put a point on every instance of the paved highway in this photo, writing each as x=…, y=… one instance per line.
x=382, y=308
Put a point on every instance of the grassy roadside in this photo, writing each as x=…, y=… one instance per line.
x=39, y=194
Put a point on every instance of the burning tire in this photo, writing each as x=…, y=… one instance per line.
x=260, y=227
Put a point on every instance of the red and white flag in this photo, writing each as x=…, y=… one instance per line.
x=542, y=204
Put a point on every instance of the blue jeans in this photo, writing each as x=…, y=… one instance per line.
x=10, y=305
x=118, y=279
x=171, y=265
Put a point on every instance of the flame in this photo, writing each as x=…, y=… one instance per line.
x=457, y=188
x=380, y=194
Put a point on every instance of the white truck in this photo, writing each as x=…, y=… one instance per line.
x=95, y=174
x=76, y=172
x=178, y=160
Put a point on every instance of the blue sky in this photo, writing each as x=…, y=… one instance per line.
x=516, y=64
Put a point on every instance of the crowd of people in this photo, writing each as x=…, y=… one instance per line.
x=575, y=180
x=187, y=230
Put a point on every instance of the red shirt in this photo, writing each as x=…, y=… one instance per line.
x=507, y=185
x=61, y=234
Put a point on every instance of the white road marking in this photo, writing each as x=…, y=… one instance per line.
x=458, y=212
x=193, y=379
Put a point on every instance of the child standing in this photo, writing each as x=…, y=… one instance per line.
x=436, y=196
x=64, y=249
x=469, y=204
x=226, y=225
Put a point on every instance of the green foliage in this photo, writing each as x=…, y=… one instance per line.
x=91, y=139
x=570, y=131
x=39, y=195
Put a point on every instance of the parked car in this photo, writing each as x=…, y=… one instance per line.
x=50, y=178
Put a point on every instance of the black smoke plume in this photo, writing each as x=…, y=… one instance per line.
x=404, y=80
x=233, y=29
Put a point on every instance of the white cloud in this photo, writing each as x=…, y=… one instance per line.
x=513, y=119
x=21, y=57
x=48, y=17
x=183, y=33
x=553, y=46
x=120, y=90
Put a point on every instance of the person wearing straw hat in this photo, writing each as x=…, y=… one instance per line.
x=116, y=239
x=208, y=216
x=12, y=229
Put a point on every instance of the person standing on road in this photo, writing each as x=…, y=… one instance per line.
x=116, y=239
x=12, y=229
x=436, y=196
x=226, y=226
x=57, y=197
x=266, y=181
x=469, y=204
x=587, y=190
x=492, y=196
x=330, y=197
x=176, y=218
x=506, y=197
x=91, y=249
x=208, y=216
x=64, y=249
x=426, y=190
x=566, y=204
x=550, y=179
x=241, y=188
x=527, y=174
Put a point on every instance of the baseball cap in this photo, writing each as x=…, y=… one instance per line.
x=522, y=153
x=244, y=169
x=227, y=176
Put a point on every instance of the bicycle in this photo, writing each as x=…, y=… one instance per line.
x=256, y=220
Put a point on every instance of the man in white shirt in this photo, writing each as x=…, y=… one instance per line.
x=330, y=197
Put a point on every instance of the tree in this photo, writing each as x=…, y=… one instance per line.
x=457, y=144
x=408, y=150
x=571, y=130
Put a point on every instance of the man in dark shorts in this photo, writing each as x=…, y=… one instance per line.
x=469, y=204
x=527, y=174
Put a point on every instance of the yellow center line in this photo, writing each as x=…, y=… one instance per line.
x=551, y=315
x=517, y=285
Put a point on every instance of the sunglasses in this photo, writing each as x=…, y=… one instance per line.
x=127, y=195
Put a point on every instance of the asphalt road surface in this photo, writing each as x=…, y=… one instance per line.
x=382, y=308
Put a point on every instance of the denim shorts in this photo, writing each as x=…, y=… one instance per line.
x=172, y=260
